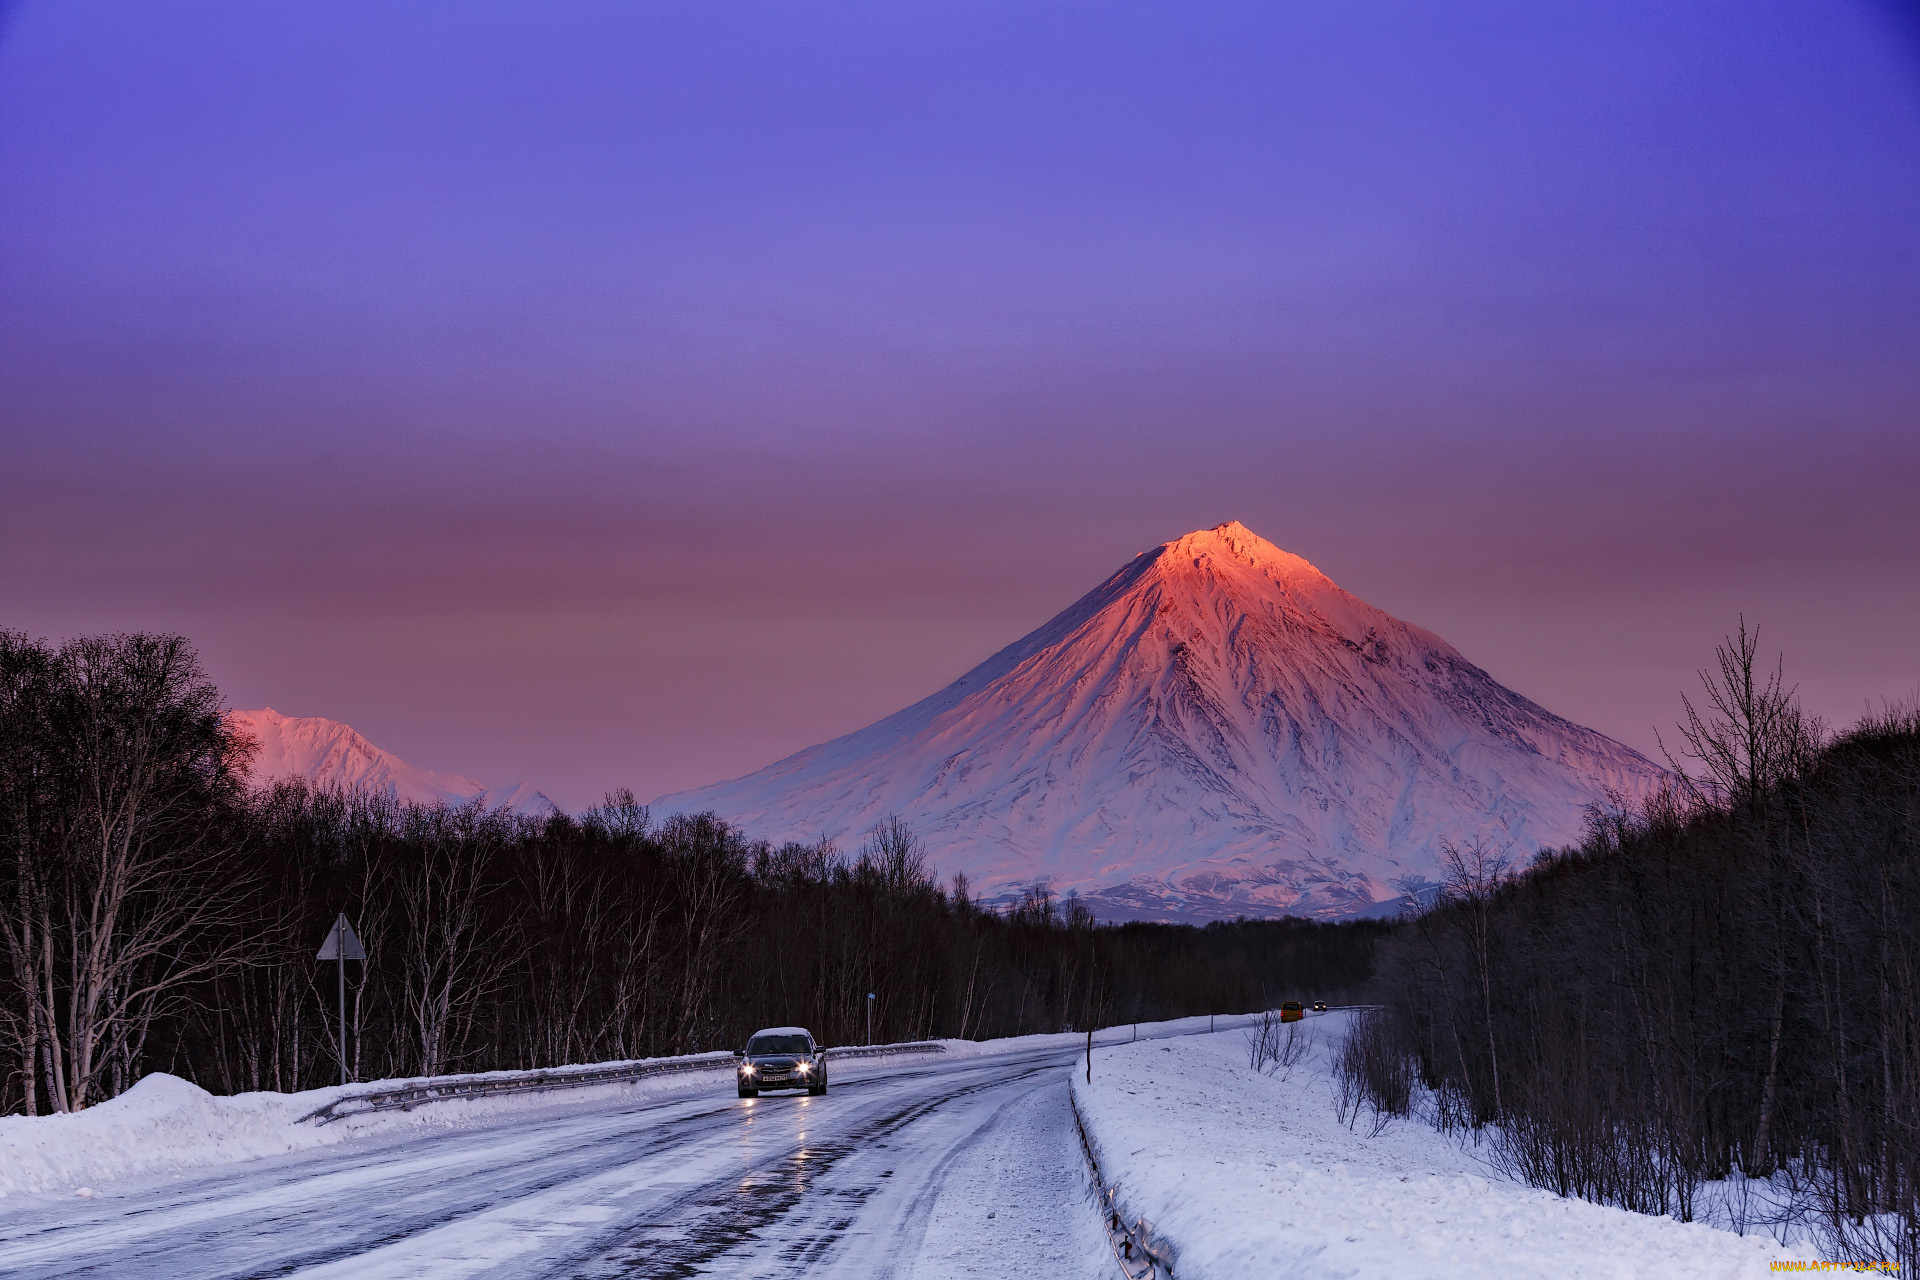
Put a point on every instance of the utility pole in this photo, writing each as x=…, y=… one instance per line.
x=342, y=944
x=1092, y=1018
x=869, y=1018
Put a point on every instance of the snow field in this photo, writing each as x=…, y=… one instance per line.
x=1252, y=1175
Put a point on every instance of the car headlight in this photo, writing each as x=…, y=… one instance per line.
x=746, y=1068
x=805, y=1067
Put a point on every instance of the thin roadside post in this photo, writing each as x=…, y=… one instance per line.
x=342, y=944
x=1091, y=1018
x=869, y=1017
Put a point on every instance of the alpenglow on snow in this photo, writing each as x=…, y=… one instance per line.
x=330, y=754
x=1215, y=730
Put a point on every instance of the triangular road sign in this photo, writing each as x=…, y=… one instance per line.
x=342, y=943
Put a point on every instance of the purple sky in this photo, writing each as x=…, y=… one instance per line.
x=612, y=393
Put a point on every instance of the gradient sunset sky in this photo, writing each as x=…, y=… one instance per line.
x=632, y=393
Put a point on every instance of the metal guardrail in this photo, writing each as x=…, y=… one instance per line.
x=1141, y=1253
x=885, y=1050
x=415, y=1093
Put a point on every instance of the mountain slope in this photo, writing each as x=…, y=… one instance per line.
x=1216, y=729
x=332, y=754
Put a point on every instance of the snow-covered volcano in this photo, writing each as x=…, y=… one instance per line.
x=1217, y=729
x=332, y=754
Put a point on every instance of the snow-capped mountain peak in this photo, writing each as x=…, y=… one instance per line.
x=333, y=754
x=1233, y=542
x=1218, y=728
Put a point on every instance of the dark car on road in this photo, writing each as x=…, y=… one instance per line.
x=781, y=1058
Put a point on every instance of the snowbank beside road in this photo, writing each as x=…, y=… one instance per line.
x=1246, y=1174
x=160, y=1124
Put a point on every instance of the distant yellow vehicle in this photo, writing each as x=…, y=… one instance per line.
x=1291, y=1011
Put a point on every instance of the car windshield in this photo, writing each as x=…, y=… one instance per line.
x=778, y=1044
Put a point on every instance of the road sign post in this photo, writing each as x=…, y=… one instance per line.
x=869, y=1018
x=342, y=944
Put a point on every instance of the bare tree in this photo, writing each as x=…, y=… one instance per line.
x=1747, y=741
x=451, y=962
x=707, y=865
x=123, y=883
x=619, y=817
x=27, y=799
x=1472, y=875
x=897, y=854
x=1750, y=734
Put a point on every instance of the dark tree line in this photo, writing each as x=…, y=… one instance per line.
x=1725, y=981
x=155, y=914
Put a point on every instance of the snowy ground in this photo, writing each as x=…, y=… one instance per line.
x=1247, y=1174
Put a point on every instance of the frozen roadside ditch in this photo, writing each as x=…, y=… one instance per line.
x=165, y=1125
x=1245, y=1174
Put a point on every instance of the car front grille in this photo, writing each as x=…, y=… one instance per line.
x=783, y=1074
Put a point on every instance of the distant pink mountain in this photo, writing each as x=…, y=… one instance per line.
x=332, y=754
x=1217, y=729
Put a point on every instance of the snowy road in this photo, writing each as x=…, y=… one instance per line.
x=955, y=1168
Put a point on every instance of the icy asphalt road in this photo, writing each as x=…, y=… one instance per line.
x=969, y=1167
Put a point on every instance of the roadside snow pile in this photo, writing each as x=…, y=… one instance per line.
x=162, y=1123
x=1247, y=1174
